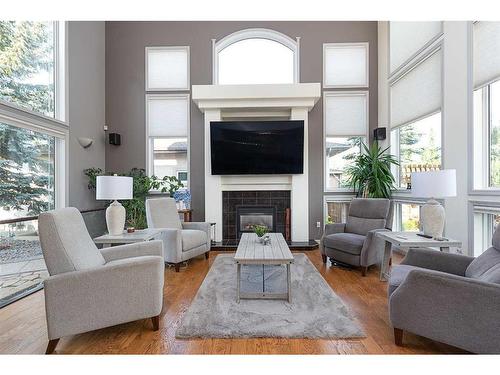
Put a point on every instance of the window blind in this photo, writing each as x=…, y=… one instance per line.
x=346, y=114
x=167, y=68
x=408, y=38
x=486, y=52
x=345, y=65
x=167, y=116
x=417, y=93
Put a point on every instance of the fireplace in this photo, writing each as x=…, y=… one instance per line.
x=248, y=216
x=241, y=209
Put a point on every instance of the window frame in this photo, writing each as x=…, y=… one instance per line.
x=255, y=33
x=327, y=94
x=149, y=139
x=482, y=208
x=366, y=45
x=344, y=197
x=167, y=48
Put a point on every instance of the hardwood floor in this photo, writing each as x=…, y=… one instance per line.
x=23, y=328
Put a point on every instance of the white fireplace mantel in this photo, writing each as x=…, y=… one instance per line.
x=225, y=102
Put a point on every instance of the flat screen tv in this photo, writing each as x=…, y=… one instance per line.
x=257, y=147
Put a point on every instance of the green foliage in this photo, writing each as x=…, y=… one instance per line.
x=260, y=230
x=495, y=156
x=370, y=174
x=142, y=185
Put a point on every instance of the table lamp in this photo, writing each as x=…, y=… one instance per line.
x=114, y=188
x=433, y=184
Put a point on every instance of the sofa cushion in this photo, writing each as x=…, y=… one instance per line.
x=192, y=238
x=486, y=267
x=348, y=242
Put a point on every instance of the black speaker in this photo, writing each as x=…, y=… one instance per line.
x=115, y=139
x=379, y=134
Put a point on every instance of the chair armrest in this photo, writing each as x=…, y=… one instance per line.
x=436, y=260
x=205, y=227
x=373, y=248
x=172, y=244
x=334, y=228
x=123, y=291
x=133, y=250
x=456, y=310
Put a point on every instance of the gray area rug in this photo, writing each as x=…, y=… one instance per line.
x=315, y=312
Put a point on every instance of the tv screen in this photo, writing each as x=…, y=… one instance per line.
x=257, y=147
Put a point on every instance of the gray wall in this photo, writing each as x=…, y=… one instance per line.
x=125, y=101
x=86, y=107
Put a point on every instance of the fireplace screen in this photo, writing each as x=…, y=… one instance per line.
x=248, y=216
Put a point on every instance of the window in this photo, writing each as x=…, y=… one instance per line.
x=255, y=56
x=418, y=147
x=167, y=68
x=27, y=65
x=486, y=220
x=407, y=217
x=346, y=126
x=336, y=209
x=345, y=65
x=167, y=120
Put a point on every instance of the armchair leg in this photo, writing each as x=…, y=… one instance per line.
x=177, y=267
x=323, y=256
x=364, y=270
x=207, y=254
x=51, y=346
x=398, y=336
x=156, y=322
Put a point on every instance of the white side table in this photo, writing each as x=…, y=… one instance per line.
x=126, y=238
x=408, y=240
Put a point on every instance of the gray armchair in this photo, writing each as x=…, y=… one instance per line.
x=90, y=289
x=450, y=298
x=181, y=241
x=354, y=242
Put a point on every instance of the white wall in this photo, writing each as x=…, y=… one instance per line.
x=86, y=107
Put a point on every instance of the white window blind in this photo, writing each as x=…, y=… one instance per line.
x=345, y=65
x=167, y=68
x=417, y=93
x=408, y=38
x=486, y=52
x=346, y=113
x=167, y=115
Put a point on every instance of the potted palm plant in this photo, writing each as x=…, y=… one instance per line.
x=370, y=175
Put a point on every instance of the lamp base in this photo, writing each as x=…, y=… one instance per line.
x=115, y=218
x=432, y=217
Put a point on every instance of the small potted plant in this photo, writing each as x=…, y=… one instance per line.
x=260, y=231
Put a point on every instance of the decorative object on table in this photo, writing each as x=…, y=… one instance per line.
x=266, y=240
x=370, y=175
x=183, y=197
x=260, y=231
x=114, y=188
x=143, y=184
x=433, y=184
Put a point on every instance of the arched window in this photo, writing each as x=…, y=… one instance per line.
x=255, y=56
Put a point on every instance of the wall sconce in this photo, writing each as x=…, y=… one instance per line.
x=85, y=142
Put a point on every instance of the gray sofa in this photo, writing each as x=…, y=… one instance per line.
x=90, y=289
x=450, y=298
x=354, y=242
x=181, y=240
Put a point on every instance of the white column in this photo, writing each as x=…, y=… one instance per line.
x=213, y=189
x=383, y=85
x=300, y=187
x=455, y=112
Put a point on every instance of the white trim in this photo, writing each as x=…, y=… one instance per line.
x=149, y=159
x=167, y=48
x=348, y=45
x=366, y=135
x=337, y=198
x=61, y=80
x=255, y=33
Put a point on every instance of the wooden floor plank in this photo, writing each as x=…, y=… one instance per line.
x=23, y=329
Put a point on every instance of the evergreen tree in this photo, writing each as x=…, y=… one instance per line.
x=26, y=157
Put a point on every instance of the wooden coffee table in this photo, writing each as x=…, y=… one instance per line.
x=251, y=252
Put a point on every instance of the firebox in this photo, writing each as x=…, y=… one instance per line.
x=248, y=216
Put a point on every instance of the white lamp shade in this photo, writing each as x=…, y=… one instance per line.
x=434, y=184
x=114, y=187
